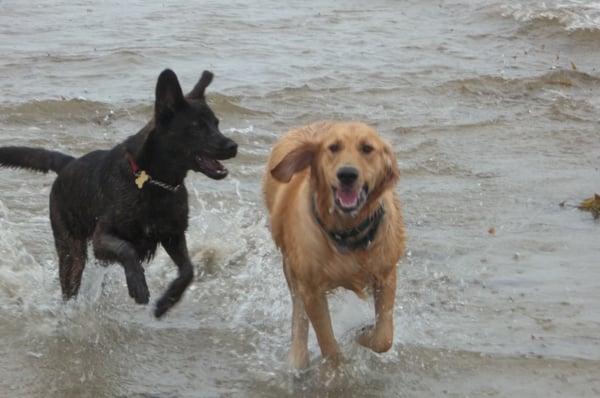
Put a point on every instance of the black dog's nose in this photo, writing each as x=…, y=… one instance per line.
x=347, y=175
x=230, y=148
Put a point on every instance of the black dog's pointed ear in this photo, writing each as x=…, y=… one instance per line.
x=200, y=87
x=169, y=96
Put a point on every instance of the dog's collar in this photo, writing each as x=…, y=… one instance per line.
x=346, y=240
x=141, y=177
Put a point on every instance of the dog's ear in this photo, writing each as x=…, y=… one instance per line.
x=198, y=90
x=392, y=173
x=169, y=97
x=296, y=160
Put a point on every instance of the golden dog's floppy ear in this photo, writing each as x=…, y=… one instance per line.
x=391, y=173
x=391, y=165
x=294, y=161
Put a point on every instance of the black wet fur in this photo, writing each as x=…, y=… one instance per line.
x=33, y=159
x=95, y=198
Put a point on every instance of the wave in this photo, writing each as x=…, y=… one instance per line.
x=82, y=110
x=449, y=126
x=573, y=15
x=228, y=105
x=486, y=85
x=61, y=110
x=108, y=57
x=576, y=110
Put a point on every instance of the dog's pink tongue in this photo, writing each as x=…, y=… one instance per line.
x=348, y=197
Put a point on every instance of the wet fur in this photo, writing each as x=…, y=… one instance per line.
x=299, y=167
x=94, y=197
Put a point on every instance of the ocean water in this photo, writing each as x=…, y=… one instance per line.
x=493, y=108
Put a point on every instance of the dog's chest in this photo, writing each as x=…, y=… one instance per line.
x=349, y=272
x=156, y=219
x=150, y=230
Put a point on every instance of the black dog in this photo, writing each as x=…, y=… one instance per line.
x=132, y=197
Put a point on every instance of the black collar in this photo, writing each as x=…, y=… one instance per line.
x=141, y=177
x=349, y=239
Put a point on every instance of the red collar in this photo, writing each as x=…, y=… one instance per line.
x=142, y=177
x=134, y=166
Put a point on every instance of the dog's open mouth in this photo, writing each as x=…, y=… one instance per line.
x=210, y=167
x=348, y=199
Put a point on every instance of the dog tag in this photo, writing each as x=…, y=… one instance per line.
x=141, y=179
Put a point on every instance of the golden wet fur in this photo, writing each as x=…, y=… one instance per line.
x=303, y=164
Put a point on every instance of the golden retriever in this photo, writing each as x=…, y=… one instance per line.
x=329, y=189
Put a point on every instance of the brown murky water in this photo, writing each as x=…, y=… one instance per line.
x=493, y=108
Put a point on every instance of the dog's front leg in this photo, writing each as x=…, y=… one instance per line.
x=109, y=247
x=176, y=247
x=379, y=338
x=298, y=356
x=317, y=310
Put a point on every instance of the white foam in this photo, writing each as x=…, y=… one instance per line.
x=573, y=15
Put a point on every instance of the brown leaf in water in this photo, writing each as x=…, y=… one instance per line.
x=492, y=231
x=592, y=205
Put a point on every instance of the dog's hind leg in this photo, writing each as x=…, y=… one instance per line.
x=71, y=262
x=109, y=247
x=71, y=257
x=176, y=247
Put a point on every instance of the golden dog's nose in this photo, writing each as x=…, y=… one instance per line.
x=347, y=175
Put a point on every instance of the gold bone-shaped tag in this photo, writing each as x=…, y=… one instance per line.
x=141, y=179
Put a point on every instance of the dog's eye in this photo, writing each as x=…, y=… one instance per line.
x=334, y=148
x=366, y=149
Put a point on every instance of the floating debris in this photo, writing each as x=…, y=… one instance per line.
x=592, y=205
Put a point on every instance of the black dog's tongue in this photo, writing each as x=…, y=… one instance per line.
x=212, y=164
x=211, y=167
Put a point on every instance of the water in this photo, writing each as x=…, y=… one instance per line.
x=492, y=107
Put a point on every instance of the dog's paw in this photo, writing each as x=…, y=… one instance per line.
x=138, y=289
x=378, y=342
x=163, y=305
x=332, y=372
x=365, y=336
x=298, y=359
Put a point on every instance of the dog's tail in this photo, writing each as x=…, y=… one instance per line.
x=33, y=158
